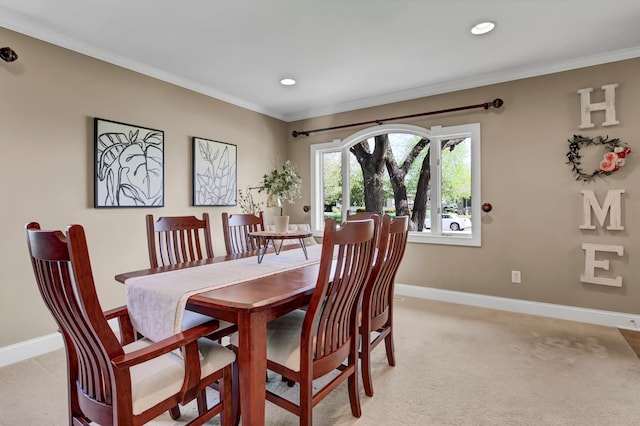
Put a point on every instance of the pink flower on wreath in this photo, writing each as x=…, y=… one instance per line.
x=611, y=157
x=608, y=166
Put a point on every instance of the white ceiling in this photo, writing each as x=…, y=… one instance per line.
x=345, y=54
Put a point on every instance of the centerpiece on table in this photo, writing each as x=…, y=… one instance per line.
x=281, y=184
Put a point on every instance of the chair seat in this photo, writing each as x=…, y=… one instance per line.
x=283, y=339
x=148, y=388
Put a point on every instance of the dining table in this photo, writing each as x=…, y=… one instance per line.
x=250, y=303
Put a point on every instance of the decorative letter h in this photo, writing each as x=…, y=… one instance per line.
x=609, y=106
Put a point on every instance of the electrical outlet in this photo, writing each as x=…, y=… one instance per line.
x=515, y=277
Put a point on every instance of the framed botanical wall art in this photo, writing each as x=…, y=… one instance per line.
x=129, y=165
x=215, y=178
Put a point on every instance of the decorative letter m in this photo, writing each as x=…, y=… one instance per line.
x=611, y=205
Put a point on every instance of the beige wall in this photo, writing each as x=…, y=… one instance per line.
x=537, y=205
x=50, y=96
x=48, y=99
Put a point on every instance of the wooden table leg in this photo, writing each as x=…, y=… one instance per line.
x=252, y=362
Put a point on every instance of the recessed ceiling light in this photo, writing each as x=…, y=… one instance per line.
x=287, y=81
x=483, y=28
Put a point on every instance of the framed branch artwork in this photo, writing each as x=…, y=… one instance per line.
x=129, y=165
x=215, y=179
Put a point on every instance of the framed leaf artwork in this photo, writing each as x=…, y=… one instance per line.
x=128, y=165
x=215, y=178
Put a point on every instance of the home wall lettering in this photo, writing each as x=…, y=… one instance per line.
x=613, y=159
x=612, y=207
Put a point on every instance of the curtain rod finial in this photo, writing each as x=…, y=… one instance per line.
x=8, y=54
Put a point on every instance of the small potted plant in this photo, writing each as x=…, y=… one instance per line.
x=281, y=184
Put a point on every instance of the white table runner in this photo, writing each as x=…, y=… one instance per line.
x=157, y=302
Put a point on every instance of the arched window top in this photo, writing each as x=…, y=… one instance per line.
x=371, y=132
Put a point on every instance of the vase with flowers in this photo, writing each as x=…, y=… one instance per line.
x=281, y=184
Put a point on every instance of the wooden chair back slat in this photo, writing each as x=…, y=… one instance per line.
x=178, y=239
x=236, y=228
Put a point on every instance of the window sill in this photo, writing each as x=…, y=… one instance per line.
x=447, y=239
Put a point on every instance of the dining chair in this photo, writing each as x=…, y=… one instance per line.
x=236, y=228
x=305, y=345
x=377, y=301
x=122, y=381
x=173, y=240
x=178, y=239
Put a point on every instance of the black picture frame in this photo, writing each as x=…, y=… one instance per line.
x=215, y=173
x=128, y=165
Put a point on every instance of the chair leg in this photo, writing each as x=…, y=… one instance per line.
x=228, y=417
x=391, y=353
x=306, y=406
x=174, y=412
x=290, y=383
x=235, y=392
x=202, y=401
x=354, y=397
x=365, y=355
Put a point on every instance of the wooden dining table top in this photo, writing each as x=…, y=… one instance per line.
x=160, y=269
x=251, y=305
x=278, y=288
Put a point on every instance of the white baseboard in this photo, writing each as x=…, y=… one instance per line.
x=571, y=313
x=30, y=348
x=40, y=345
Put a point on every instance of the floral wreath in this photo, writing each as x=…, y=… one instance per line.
x=614, y=157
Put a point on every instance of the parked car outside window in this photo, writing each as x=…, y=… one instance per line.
x=450, y=221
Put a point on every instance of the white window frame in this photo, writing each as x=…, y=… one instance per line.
x=436, y=134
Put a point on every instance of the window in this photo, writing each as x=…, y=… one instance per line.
x=431, y=175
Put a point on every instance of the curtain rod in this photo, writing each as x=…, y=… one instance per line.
x=496, y=103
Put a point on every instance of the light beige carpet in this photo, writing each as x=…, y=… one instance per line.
x=456, y=365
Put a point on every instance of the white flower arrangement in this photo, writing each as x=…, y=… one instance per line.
x=282, y=185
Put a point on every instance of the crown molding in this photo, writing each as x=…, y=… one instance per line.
x=21, y=26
